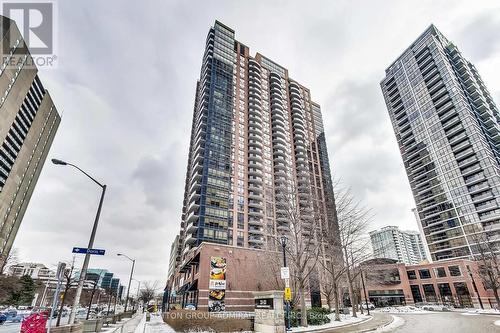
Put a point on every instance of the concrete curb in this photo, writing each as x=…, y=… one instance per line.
x=381, y=326
x=326, y=329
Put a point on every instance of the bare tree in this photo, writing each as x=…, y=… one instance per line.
x=353, y=220
x=332, y=271
x=296, y=220
x=148, y=292
x=68, y=283
x=488, y=264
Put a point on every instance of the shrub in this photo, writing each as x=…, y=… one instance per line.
x=315, y=316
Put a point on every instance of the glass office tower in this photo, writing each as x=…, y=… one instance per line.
x=254, y=131
x=447, y=128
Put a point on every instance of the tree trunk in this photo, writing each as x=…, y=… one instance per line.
x=497, y=298
x=336, y=299
x=303, y=310
x=66, y=289
x=350, y=286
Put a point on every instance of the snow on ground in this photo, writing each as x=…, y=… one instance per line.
x=344, y=320
x=497, y=323
x=157, y=325
x=404, y=309
x=480, y=311
x=396, y=322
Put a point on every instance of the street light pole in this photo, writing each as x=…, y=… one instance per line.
x=283, y=241
x=85, y=265
x=130, y=279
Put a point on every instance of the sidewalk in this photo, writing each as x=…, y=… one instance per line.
x=156, y=325
x=379, y=320
x=125, y=326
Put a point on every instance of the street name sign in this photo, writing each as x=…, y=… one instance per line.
x=83, y=250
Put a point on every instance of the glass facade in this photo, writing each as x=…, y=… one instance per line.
x=447, y=127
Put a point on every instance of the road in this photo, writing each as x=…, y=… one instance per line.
x=10, y=328
x=444, y=322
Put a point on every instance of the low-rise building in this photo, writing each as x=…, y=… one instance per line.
x=222, y=277
x=36, y=271
x=455, y=282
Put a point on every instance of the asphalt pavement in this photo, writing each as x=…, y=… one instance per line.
x=452, y=322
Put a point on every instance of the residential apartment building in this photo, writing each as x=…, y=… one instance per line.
x=28, y=124
x=447, y=128
x=257, y=140
x=403, y=246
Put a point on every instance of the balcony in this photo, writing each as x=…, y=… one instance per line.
x=190, y=239
x=252, y=220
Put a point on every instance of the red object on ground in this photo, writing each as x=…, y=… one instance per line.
x=35, y=323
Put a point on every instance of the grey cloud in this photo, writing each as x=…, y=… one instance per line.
x=126, y=81
x=479, y=39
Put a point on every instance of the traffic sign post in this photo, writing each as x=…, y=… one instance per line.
x=83, y=250
x=288, y=294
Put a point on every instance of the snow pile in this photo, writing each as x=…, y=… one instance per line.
x=344, y=320
x=403, y=309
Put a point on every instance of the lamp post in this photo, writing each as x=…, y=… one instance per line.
x=130, y=279
x=83, y=271
x=138, y=291
x=283, y=242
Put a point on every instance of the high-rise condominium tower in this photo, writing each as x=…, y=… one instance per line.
x=447, y=127
x=256, y=136
x=403, y=246
x=28, y=123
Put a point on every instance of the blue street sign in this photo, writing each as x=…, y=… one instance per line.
x=84, y=250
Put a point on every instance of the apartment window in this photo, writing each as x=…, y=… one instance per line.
x=411, y=275
x=241, y=222
x=454, y=271
x=424, y=273
x=240, y=238
x=440, y=272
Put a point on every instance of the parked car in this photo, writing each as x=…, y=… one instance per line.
x=3, y=318
x=370, y=306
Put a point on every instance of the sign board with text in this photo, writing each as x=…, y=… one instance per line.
x=264, y=303
x=83, y=250
x=285, y=272
x=217, y=285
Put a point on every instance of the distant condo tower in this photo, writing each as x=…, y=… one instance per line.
x=28, y=124
x=447, y=128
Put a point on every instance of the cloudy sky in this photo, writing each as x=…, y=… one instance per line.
x=125, y=88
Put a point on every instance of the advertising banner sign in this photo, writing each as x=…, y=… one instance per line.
x=217, y=285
